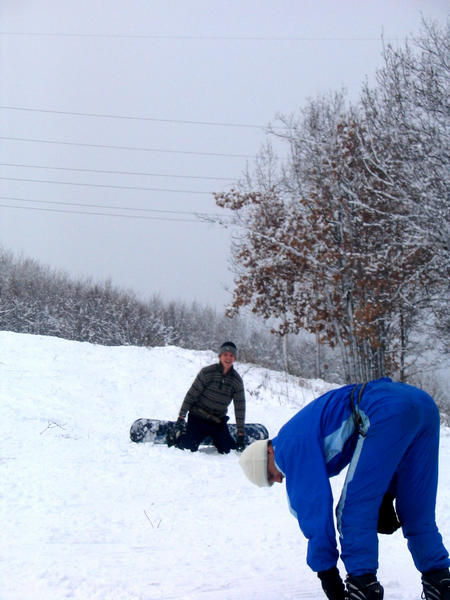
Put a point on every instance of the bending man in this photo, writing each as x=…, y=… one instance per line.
x=388, y=435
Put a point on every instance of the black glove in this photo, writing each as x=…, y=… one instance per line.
x=387, y=517
x=174, y=433
x=180, y=427
x=332, y=584
x=240, y=442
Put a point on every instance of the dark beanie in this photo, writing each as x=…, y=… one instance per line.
x=228, y=347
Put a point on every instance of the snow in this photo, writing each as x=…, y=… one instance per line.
x=88, y=515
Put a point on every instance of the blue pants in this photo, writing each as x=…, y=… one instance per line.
x=198, y=429
x=398, y=453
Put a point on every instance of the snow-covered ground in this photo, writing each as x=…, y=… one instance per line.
x=88, y=515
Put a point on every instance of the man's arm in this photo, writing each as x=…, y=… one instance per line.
x=239, y=407
x=192, y=394
x=300, y=459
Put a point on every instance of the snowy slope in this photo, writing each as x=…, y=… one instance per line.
x=88, y=515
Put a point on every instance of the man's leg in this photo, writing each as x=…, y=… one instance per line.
x=401, y=440
x=416, y=488
x=222, y=439
x=194, y=435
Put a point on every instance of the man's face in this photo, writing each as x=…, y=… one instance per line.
x=273, y=474
x=226, y=360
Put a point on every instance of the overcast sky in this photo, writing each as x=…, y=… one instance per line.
x=126, y=108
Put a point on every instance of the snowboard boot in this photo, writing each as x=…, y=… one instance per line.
x=364, y=587
x=436, y=585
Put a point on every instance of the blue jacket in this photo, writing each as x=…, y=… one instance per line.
x=322, y=439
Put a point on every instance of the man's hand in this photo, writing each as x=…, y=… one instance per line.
x=387, y=517
x=174, y=434
x=240, y=442
x=180, y=426
x=332, y=584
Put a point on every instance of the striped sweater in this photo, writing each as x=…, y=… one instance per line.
x=212, y=392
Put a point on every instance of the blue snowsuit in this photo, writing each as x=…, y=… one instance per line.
x=395, y=449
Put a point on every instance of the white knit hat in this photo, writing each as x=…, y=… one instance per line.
x=254, y=463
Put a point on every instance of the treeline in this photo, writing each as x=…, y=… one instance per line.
x=38, y=300
x=348, y=238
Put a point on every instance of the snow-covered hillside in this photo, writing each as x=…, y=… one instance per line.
x=88, y=515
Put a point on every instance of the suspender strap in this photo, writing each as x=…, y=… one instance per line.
x=355, y=408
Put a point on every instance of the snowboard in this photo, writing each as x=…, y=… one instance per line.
x=155, y=431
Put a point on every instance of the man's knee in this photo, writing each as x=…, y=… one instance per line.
x=223, y=450
x=224, y=443
x=188, y=442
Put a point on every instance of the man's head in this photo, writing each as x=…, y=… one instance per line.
x=258, y=463
x=227, y=355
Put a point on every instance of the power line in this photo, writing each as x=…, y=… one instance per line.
x=100, y=185
x=133, y=148
x=130, y=117
x=210, y=216
x=231, y=38
x=102, y=214
x=114, y=172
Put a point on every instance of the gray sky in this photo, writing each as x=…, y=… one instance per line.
x=155, y=104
